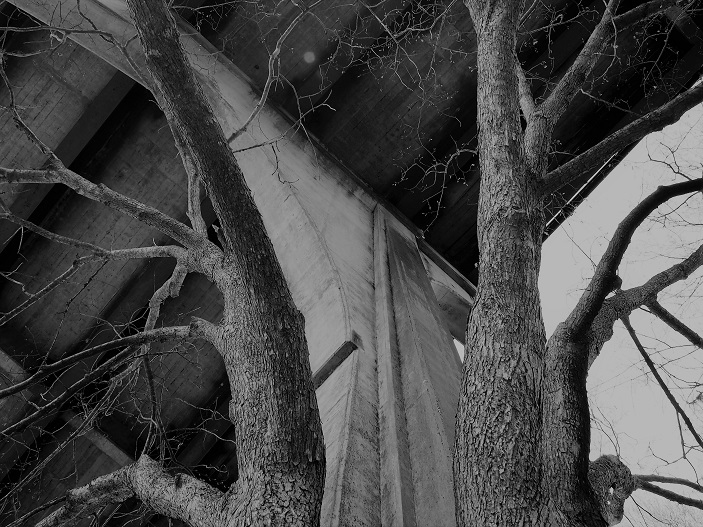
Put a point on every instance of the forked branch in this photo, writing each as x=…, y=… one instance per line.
x=604, y=278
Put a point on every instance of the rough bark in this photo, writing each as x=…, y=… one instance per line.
x=523, y=426
x=498, y=421
x=262, y=334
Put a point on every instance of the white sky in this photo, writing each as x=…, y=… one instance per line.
x=645, y=432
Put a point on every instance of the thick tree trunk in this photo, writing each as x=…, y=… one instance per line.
x=521, y=453
x=262, y=335
x=497, y=473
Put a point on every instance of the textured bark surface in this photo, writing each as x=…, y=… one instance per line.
x=262, y=334
x=498, y=422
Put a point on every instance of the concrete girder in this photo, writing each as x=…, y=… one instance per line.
x=320, y=219
x=70, y=88
x=418, y=385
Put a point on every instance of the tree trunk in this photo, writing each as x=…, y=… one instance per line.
x=521, y=453
x=262, y=334
x=497, y=475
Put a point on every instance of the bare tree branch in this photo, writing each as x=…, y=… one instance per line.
x=569, y=85
x=662, y=384
x=608, y=26
x=273, y=59
x=181, y=496
x=23, y=519
x=153, y=335
x=604, y=278
x=112, y=363
x=170, y=288
x=37, y=469
x=641, y=12
x=158, y=251
x=119, y=202
x=595, y=156
x=669, y=495
x=197, y=329
x=654, y=478
x=674, y=323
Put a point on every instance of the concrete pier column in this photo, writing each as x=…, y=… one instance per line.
x=418, y=383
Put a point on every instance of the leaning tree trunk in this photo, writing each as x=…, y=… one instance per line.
x=262, y=335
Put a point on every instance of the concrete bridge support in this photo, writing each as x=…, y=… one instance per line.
x=380, y=305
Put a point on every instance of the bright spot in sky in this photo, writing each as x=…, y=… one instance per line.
x=309, y=57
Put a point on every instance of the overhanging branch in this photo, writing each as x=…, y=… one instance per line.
x=669, y=495
x=604, y=278
x=181, y=497
x=595, y=156
x=155, y=335
x=119, y=202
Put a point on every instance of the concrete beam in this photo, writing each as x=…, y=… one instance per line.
x=418, y=376
x=454, y=294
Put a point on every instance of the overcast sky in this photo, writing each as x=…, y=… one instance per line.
x=644, y=426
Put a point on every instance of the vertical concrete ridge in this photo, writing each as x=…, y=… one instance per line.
x=396, y=485
x=427, y=372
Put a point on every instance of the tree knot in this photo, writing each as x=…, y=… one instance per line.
x=612, y=483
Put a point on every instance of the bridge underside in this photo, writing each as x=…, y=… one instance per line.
x=344, y=205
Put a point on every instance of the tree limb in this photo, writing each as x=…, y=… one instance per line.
x=604, y=278
x=641, y=12
x=170, y=288
x=273, y=58
x=668, y=480
x=624, y=302
x=569, y=85
x=674, y=323
x=194, y=330
x=669, y=495
x=158, y=251
x=608, y=26
x=181, y=496
x=154, y=335
x=595, y=156
x=662, y=384
x=119, y=202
